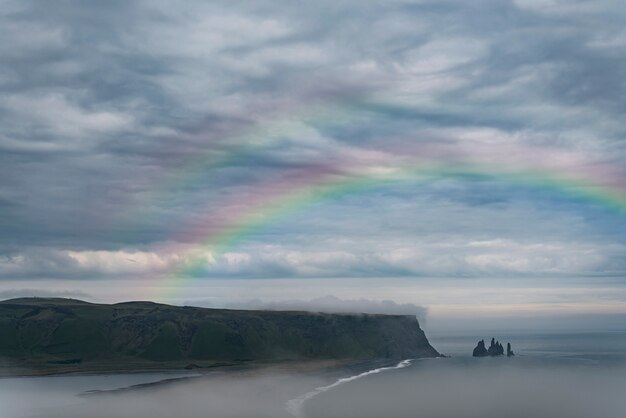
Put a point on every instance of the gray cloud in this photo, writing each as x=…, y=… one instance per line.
x=41, y=293
x=123, y=125
x=333, y=304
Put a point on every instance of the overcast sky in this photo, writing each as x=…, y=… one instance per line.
x=437, y=144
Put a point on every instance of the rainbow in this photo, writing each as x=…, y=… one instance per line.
x=407, y=159
x=271, y=203
x=264, y=129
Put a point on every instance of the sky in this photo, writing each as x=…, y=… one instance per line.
x=444, y=158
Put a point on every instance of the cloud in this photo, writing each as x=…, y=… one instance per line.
x=331, y=304
x=387, y=256
x=41, y=293
x=138, y=131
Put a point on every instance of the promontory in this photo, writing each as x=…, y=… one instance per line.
x=51, y=335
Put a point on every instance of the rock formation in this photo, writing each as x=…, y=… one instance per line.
x=480, y=350
x=495, y=349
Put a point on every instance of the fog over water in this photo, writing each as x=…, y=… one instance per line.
x=260, y=395
x=569, y=375
x=480, y=389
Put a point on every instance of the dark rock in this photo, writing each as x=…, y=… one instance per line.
x=509, y=352
x=495, y=349
x=480, y=350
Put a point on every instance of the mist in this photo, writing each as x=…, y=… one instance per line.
x=248, y=394
x=486, y=388
x=333, y=304
x=440, y=388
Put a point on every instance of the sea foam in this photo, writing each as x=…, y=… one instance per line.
x=295, y=406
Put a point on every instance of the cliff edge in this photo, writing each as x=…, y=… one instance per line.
x=55, y=335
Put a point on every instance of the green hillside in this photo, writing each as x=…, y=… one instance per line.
x=40, y=335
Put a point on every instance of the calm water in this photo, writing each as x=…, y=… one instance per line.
x=584, y=344
x=575, y=375
x=570, y=375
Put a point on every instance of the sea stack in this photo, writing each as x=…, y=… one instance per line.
x=509, y=352
x=495, y=349
x=480, y=350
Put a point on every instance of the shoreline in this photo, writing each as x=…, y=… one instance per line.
x=330, y=368
x=295, y=406
x=308, y=365
x=334, y=372
x=283, y=382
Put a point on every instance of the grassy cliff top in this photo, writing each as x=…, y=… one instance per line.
x=45, y=334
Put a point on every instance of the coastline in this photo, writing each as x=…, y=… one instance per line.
x=267, y=388
x=299, y=365
x=333, y=372
x=331, y=369
x=295, y=406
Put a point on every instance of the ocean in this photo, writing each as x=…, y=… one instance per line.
x=573, y=375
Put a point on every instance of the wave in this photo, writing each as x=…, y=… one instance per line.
x=295, y=406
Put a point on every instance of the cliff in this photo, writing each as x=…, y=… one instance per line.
x=51, y=335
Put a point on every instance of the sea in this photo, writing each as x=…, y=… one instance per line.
x=552, y=375
x=570, y=375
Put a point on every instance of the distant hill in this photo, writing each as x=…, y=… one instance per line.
x=46, y=335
